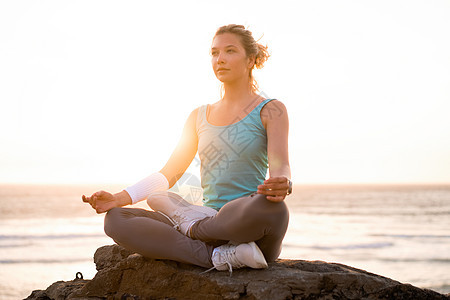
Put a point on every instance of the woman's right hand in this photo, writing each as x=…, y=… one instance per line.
x=101, y=201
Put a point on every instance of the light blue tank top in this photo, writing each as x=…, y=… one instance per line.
x=233, y=157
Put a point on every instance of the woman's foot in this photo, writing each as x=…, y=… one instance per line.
x=182, y=213
x=229, y=256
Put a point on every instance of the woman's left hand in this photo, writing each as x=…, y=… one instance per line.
x=275, y=188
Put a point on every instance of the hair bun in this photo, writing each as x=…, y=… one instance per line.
x=261, y=56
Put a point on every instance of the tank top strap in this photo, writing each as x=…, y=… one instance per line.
x=201, y=116
x=260, y=106
x=256, y=112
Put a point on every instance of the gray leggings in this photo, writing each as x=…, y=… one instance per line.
x=246, y=219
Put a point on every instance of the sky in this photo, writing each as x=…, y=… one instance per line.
x=99, y=91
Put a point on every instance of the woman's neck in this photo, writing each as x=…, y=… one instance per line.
x=237, y=94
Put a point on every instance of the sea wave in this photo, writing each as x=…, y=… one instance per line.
x=354, y=246
x=413, y=236
x=370, y=213
x=343, y=247
x=49, y=236
x=16, y=245
x=45, y=261
x=412, y=260
x=440, y=288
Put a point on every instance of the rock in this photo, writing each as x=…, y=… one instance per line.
x=58, y=290
x=124, y=275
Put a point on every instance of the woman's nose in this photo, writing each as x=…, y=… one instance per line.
x=220, y=58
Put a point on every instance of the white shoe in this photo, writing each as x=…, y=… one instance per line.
x=229, y=256
x=182, y=214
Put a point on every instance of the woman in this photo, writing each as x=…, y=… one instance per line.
x=244, y=217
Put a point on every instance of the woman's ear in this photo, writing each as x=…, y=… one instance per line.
x=251, y=61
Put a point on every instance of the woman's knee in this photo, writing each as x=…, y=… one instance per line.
x=112, y=220
x=267, y=213
x=260, y=205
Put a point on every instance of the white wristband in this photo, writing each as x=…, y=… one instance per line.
x=141, y=190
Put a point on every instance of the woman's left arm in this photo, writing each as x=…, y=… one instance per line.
x=275, y=119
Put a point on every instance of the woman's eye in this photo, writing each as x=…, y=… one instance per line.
x=230, y=51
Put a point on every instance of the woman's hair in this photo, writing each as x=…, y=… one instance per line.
x=252, y=48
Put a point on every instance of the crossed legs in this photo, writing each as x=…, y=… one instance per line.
x=243, y=220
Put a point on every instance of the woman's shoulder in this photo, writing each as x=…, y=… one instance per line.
x=273, y=110
x=273, y=106
x=195, y=116
x=197, y=110
x=201, y=107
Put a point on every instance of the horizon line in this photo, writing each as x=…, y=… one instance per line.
x=295, y=183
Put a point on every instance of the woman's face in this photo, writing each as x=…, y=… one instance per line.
x=228, y=58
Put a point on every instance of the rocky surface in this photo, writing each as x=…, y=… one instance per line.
x=124, y=275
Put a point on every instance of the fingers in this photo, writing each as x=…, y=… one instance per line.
x=281, y=179
x=273, y=198
x=91, y=200
x=276, y=182
x=272, y=192
x=275, y=188
x=99, y=201
x=87, y=199
x=99, y=194
x=93, y=197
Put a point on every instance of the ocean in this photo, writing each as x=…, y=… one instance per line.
x=398, y=231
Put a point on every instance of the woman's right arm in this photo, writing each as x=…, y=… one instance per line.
x=184, y=152
x=175, y=167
